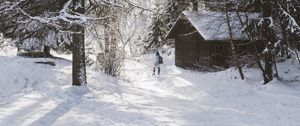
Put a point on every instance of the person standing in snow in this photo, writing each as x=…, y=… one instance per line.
x=158, y=61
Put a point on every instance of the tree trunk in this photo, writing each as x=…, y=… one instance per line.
x=110, y=38
x=195, y=5
x=276, y=68
x=79, y=66
x=253, y=44
x=233, y=45
x=107, y=42
x=297, y=55
x=113, y=48
x=47, y=51
x=269, y=37
x=268, y=67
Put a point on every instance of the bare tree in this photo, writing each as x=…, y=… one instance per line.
x=116, y=33
x=232, y=43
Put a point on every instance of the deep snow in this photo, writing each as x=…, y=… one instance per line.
x=41, y=95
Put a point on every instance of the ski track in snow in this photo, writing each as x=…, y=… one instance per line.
x=41, y=95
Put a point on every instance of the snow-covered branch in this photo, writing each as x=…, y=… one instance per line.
x=138, y=6
x=292, y=25
x=64, y=15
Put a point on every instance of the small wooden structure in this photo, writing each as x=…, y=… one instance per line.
x=202, y=38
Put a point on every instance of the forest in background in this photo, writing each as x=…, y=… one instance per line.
x=114, y=30
x=90, y=63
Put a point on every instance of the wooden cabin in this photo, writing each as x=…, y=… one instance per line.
x=202, y=38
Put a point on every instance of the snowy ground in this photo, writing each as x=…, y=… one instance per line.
x=41, y=95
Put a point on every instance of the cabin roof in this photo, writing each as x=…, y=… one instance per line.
x=213, y=26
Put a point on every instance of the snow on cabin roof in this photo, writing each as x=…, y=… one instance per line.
x=213, y=26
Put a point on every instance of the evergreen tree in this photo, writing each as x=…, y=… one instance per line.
x=164, y=18
x=173, y=9
x=33, y=23
x=274, y=13
x=32, y=34
x=158, y=30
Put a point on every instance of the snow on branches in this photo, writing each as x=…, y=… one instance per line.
x=291, y=24
x=28, y=22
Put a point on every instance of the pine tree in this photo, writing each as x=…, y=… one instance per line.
x=173, y=10
x=37, y=24
x=269, y=38
x=195, y=5
x=158, y=30
x=288, y=13
x=29, y=34
x=274, y=13
x=164, y=18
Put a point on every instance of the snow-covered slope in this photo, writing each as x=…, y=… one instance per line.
x=41, y=95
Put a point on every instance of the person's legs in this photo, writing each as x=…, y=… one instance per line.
x=153, y=70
